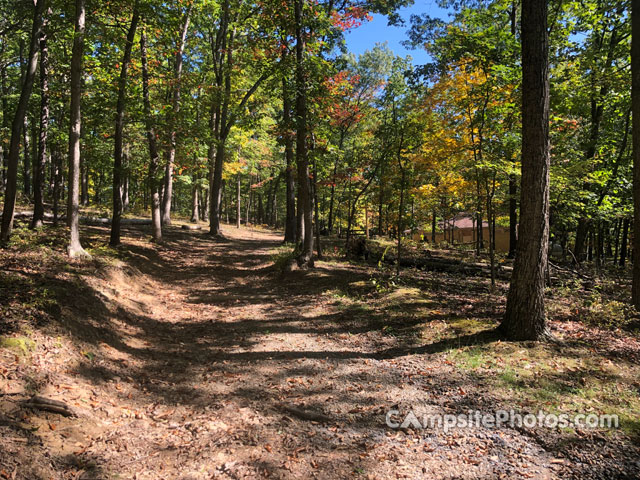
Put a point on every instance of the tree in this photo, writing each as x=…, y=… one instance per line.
x=120, y=107
x=305, y=259
x=635, y=101
x=175, y=108
x=525, y=313
x=156, y=222
x=75, y=122
x=235, y=47
x=18, y=123
x=41, y=159
x=287, y=134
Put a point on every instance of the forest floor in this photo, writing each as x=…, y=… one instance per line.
x=200, y=359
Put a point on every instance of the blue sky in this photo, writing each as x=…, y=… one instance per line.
x=377, y=31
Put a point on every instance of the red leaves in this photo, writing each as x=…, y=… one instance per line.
x=352, y=17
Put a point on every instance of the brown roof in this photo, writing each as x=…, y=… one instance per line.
x=461, y=220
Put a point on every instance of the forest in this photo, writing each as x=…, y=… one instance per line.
x=231, y=247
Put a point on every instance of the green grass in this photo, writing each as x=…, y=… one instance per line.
x=21, y=345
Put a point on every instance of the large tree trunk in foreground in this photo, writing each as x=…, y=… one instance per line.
x=156, y=224
x=16, y=127
x=117, y=153
x=525, y=314
x=306, y=254
x=635, y=107
x=75, y=121
x=41, y=159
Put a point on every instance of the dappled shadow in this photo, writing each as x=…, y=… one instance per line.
x=208, y=327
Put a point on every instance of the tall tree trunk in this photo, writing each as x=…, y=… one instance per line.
x=41, y=162
x=216, y=189
x=525, y=313
x=175, y=109
x=156, y=223
x=290, y=217
x=635, y=106
x=117, y=151
x=18, y=120
x=305, y=258
x=75, y=123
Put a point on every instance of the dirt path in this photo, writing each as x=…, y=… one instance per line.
x=201, y=361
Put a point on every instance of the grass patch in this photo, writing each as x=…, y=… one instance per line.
x=555, y=379
x=283, y=257
x=22, y=345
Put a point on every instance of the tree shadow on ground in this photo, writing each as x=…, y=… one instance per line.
x=239, y=343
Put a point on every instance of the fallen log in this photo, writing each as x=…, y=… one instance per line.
x=107, y=221
x=86, y=219
x=446, y=265
x=307, y=414
x=191, y=227
x=50, y=405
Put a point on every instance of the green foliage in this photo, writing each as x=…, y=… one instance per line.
x=283, y=257
x=22, y=345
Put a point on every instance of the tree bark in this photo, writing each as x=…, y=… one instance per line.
x=75, y=249
x=18, y=120
x=305, y=258
x=525, y=313
x=290, y=217
x=156, y=223
x=41, y=162
x=216, y=189
x=117, y=151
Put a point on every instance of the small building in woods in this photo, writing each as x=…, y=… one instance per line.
x=461, y=230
